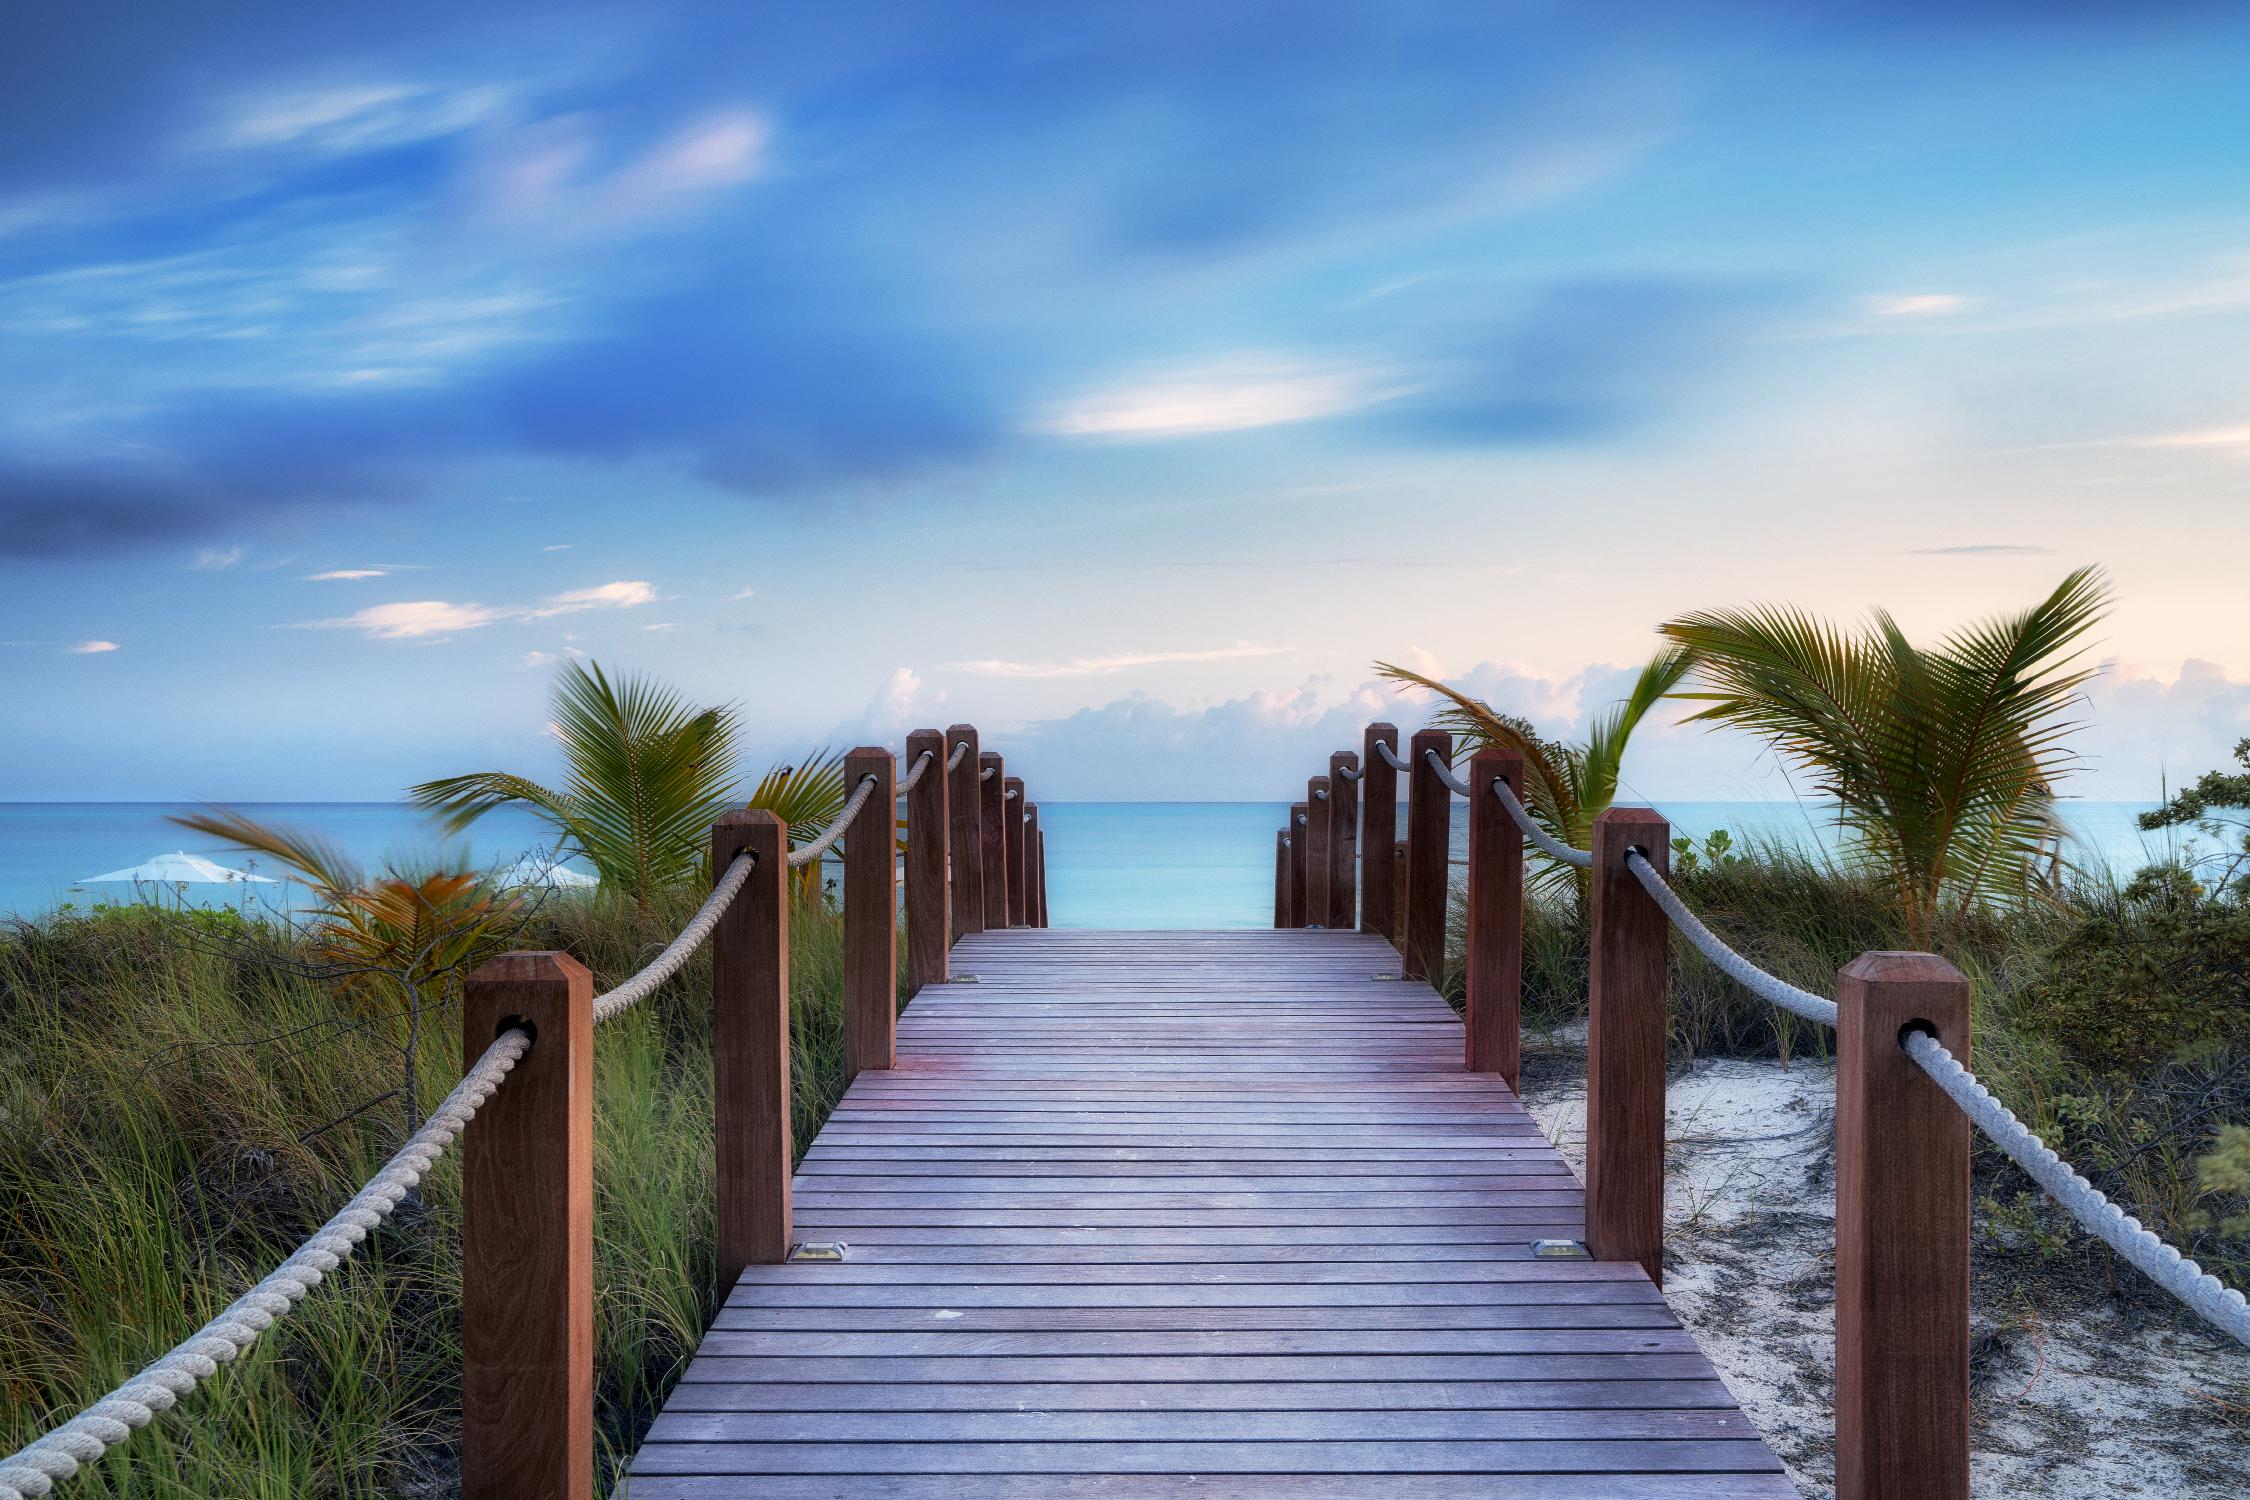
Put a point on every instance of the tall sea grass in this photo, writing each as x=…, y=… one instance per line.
x=180, y=1103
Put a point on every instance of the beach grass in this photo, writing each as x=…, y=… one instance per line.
x=180, y=1104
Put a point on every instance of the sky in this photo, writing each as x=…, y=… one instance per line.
x=1125, y=380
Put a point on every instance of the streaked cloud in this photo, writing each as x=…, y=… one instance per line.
x=347, y=574
x=1102, y=666
x=421, y=618
x=1918, y=305
x=1231, y=396
x=215, y=559
x=90, y=648
x=346, y=119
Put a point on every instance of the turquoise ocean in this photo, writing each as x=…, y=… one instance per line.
x=1110, y=864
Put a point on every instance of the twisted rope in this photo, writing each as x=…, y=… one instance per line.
x=960, y=749
x=1014, y=791
x=693, y=936
x=807, y=853
x=1445, y=772
x=1350, y=773
x=1320, y=795
x=988, y=773
x=1544, y=841
x=1302, y=821
x=2217, y=1303
x=33, y=1470
x=921, y=764
x=1730, y=963
x=1390, y=756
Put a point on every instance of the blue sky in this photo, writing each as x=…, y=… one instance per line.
x=1123, y=379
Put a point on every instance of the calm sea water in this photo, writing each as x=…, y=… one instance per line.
x=1110, y=864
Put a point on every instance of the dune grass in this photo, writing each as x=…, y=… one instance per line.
x=2150, y=1129
x=180, y=1104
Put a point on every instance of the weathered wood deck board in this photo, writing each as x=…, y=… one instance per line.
x=1214, y=1214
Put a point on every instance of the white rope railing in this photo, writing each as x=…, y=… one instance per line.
x=1350, y=773
x=2219, y=1304
x=1545, y=842
x=988, y=773
x=691, y=937
x=1320, y=794
x=907, y=781
x=960, y=749
x=805, y=854
x=1730, y=963
x=32, y=1471
x=1445, y=773
x=1390, y=756
x=1303, y=821
x=1012, y=793
x=2210, y=1298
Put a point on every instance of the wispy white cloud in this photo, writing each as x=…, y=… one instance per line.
x=1230, y=396
x=741, y=594
x=2228, y=440
x=350, y=118
x=348, y=574
x=558, y=547
x=90, y=648
x=1102, y=666
x=424, y=618
x=549, y=658
x=215, y=559
x=1918, y=305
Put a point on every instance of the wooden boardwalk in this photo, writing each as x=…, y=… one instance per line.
x=1196, y=1213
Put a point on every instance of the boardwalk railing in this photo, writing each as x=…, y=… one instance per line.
x=1905, y=1101
x=974, y=860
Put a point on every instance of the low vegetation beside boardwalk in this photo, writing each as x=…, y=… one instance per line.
x=183, y=1098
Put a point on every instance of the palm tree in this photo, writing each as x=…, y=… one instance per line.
x=646, y=775
x=1566, y=787
x=1942, y=761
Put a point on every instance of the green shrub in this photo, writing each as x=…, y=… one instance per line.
x=2142, y=973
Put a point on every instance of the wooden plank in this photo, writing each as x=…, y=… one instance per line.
x=1198, y=1213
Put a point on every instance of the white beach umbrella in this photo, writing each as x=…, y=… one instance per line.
x=179, y=868
x=534, y=869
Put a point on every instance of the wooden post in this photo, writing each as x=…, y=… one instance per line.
x=1343, y=841
x=1318, y=871
x=1902, y=1235
x=1281, y=877
x=1625, y=1046
x=1019, y=894
x=1378, y=834
x=1429, y=844
x=527, y=1238
x=1397, y=933
x=966, y=840
x=1300, y=875
x=1034, y=877
x=1493, y=963
x=927, y=834
x=1042, y=877
x=750, y=1046
x=870, y=918
x=992, y=794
